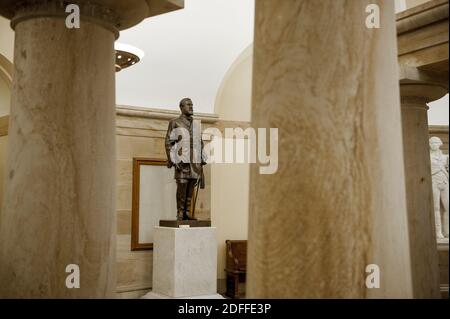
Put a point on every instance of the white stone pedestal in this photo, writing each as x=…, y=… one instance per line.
x=184, y=263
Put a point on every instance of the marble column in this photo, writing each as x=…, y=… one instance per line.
x=59, y=202
x=337, y=203
x=422, y=235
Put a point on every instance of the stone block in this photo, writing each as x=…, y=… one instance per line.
x=185, y=261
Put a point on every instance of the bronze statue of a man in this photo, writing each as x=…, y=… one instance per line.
x=184, y=149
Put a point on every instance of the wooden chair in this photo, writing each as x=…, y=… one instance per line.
x=236, y=266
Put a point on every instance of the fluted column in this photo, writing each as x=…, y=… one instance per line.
x=422, y=235
x=337, y=202
x=59, y=202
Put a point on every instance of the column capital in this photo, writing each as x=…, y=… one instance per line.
x=120, y=14
x=89, y=11
x=419, y=94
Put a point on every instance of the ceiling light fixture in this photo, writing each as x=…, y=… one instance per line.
x=127, y=55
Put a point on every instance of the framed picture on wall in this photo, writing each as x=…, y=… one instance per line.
x=153, y=199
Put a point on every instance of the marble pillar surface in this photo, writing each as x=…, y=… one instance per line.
x=424, y=254
x=337, y=202
x=59, y=201
x=60, y=179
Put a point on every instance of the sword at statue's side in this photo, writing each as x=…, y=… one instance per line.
x=195, y=197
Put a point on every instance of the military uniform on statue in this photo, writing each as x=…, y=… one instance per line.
x=184, y=148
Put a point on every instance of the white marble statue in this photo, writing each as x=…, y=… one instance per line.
x=439, y=174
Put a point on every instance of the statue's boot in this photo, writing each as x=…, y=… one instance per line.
x=187, y=217
x=188, y=209
x=180, y=215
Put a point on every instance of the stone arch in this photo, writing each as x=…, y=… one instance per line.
x=6, y=70
x=233, y=99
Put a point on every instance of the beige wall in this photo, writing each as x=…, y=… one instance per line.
x=5, y=97
x=235, y=93
x=230, y=182
x=6, y=56
x=6, y=39
x=5, y=100
x=6, y=70
x=3, y=147
x=229, y=206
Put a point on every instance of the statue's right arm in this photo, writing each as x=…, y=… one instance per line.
x=169, y=143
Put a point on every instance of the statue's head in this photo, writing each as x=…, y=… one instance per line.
x=435, y=143
x=186, y=106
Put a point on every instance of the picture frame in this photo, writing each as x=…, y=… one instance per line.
x=153, y=199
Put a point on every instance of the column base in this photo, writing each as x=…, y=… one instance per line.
x=443, y=266
x=155, y=295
